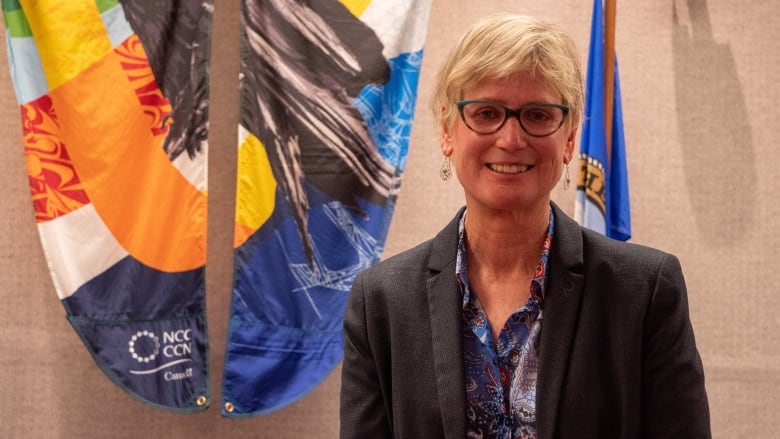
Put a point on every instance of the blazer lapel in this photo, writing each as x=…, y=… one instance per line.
x=444, y=306
x=561, y=308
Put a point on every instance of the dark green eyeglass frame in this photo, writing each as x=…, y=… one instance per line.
x=513, y=112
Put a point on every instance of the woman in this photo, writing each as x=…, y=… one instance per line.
x=515, y=322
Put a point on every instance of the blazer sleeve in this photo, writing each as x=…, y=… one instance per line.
x=674, y=400
x=363, y=412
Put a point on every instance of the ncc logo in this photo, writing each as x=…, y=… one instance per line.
x=146, y=348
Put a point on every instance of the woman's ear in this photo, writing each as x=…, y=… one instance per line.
x=445, y=142
x=568, y=153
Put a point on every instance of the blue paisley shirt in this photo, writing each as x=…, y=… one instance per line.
x=501, y=377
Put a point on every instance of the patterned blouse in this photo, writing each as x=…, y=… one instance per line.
x=501, y=377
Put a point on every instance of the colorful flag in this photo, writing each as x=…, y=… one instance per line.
x=328, y=91
x=602, y=200
x=114, y=115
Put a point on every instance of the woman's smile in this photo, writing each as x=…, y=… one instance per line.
x=508, y=169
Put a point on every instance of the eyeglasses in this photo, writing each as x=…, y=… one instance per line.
x=538, y=120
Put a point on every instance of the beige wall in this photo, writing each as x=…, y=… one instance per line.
x=700, y=109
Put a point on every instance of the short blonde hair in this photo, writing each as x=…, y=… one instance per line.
x=503, y=46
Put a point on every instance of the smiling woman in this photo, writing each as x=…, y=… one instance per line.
x=616, y=358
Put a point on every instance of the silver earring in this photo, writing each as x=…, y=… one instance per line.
x=445, y=172
x=566, y=177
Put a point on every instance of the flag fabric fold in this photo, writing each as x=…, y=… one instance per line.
x=328, y=92
x=114, y=102
x=114, y=124
x=602, y=198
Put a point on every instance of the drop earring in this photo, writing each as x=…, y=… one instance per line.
x=566, y=177
x=445, y=172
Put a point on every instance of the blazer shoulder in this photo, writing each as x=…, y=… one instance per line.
x=578, y=248
x=408, y=261
x=598, y=247
x=424, y=259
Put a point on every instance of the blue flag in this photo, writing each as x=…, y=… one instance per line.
x=602, y=202
x=328, y=92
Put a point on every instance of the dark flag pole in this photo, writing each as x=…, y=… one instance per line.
x=610, y=13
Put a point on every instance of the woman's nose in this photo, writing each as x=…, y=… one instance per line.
x=511, y=134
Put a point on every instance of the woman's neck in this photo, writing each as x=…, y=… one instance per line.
x=503, y=252
x=505, y=242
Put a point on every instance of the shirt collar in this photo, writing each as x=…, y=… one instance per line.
x=537, y=283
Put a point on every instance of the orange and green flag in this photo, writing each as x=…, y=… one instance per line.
x=114, y=114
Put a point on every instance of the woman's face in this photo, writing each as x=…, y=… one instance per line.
x=509, y=169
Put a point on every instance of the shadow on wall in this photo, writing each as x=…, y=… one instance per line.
x=715, y=134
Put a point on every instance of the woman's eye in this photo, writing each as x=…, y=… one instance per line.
x=487, y=113
x=536, y=115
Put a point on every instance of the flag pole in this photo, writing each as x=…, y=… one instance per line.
x=610, y=9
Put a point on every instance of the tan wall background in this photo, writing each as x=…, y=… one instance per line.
x=700, y=108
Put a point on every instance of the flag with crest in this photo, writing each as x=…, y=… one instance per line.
x=602, y=199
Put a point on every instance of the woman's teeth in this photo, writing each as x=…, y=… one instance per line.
x=509, y=169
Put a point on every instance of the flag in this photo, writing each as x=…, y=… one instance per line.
x=114, y=131
x=328, y=92
x=602, y=198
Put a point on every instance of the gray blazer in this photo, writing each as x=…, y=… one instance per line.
x=617, y=359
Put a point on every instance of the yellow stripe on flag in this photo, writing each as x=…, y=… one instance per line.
x=256, y=189
x=356, y=7
x=70, y=36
